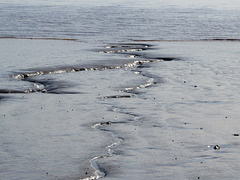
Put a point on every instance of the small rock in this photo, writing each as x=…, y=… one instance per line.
x=217, y=147
x=235, y=134
x=109, y=122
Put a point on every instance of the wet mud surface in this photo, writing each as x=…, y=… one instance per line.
x=53, y=86
x=150, y=110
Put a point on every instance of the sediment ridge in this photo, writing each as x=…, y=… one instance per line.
x=130, y=50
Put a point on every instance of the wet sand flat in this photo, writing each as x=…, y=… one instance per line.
x=193, y=109
x=132, y=110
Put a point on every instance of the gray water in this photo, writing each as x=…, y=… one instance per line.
x=113, y=21
x=119, y=89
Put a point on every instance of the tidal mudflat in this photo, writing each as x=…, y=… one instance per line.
x=130, y=110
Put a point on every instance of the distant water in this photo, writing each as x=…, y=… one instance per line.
x=119, y=89
x=112, y=21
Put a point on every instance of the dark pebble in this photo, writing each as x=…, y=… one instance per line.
x=217, y=147
x=109, y=123
x=235, y=134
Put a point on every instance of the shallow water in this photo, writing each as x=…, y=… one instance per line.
x=113, y=21
x=119, y=90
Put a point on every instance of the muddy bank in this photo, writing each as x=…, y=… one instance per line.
x=166, y=111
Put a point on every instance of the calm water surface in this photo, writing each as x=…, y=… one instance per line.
x=112, y=21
